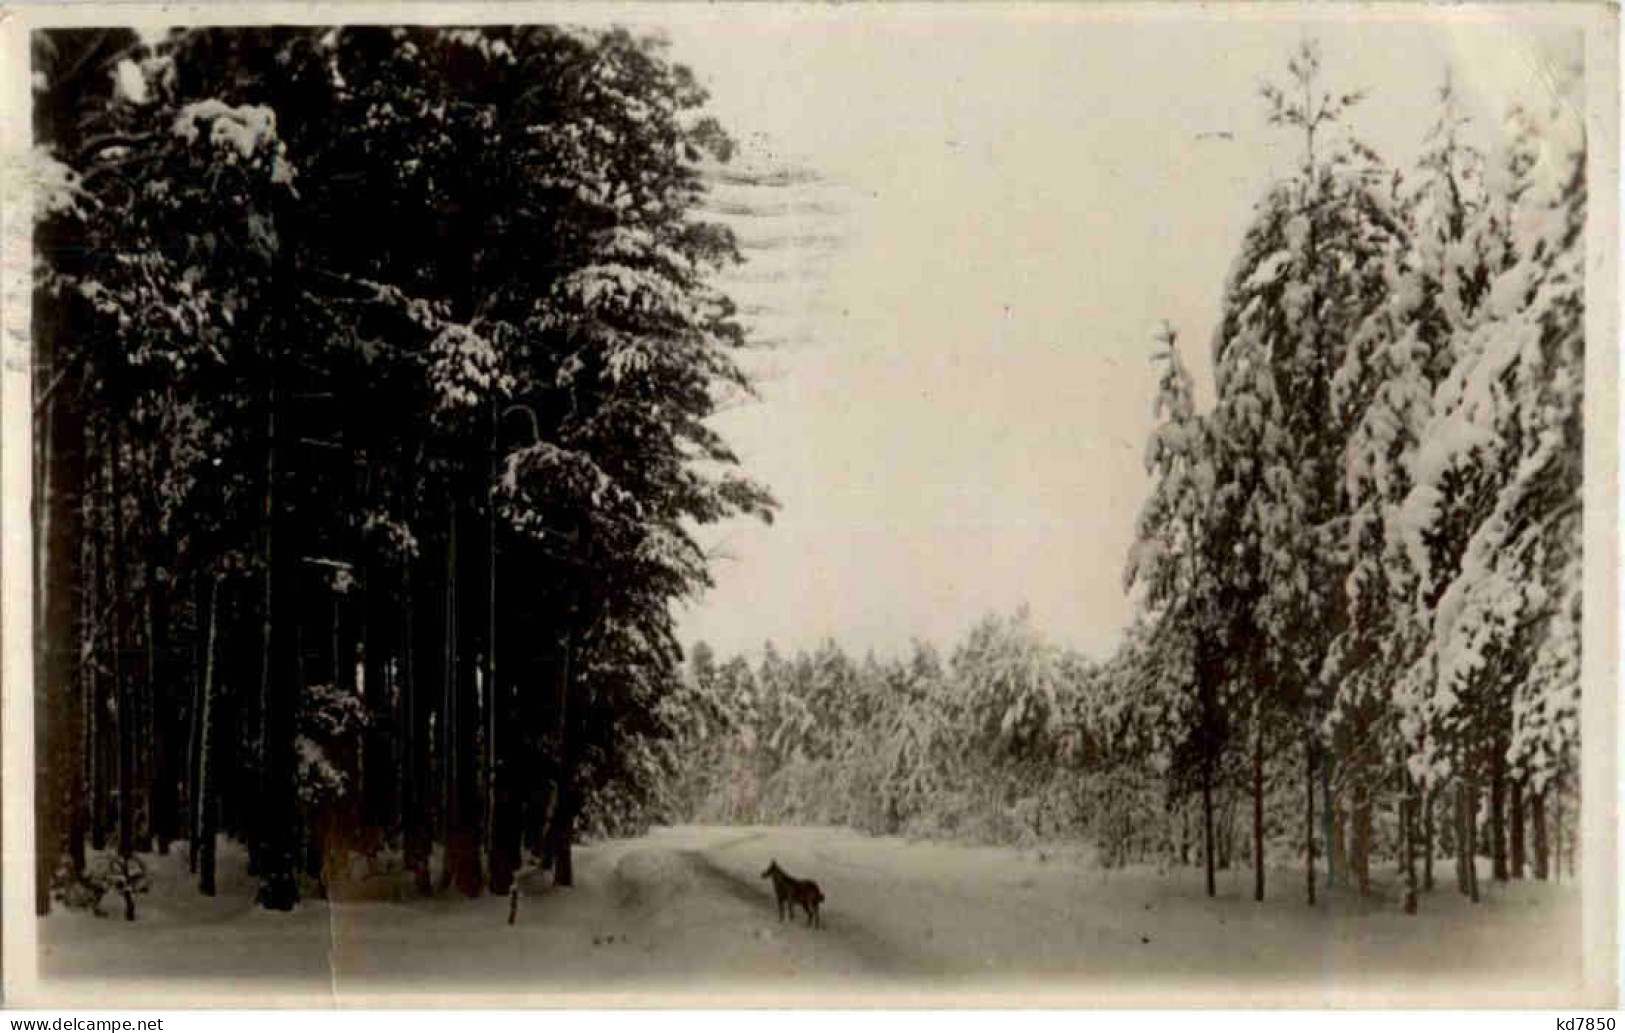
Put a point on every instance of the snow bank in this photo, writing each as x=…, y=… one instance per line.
x=684, y=912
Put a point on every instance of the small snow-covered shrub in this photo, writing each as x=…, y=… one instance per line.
x=798, y=792
x=861, y=789
x=104, y=874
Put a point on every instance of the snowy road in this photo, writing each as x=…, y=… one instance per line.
x=684, y=912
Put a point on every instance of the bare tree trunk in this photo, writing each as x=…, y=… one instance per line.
x=96, y=730
x=89, y=698
x=466, y=804
x=1537, y=821
x=126, y=706
x=506, y=819
x=1498, y=837
x=141, y=712
x=560, y=828
x=491, y=692
x=45, y=598
x=279, y=684
x=206, y=794
x=1361, y=860
x=1188, y=816
x=447, y=740
x=1471, y=849
x=1333, y=823
x=1407, y=843
x=1258, y=805
x=159, y=772
x=194, y=732
x=59, y=473
x=1207, y=820
x=378, y=747
x=1463, y=857
x=342, y=831
x=1517, y=819
x=506, y=825
x=1427, y=836
x=415, y=832
x=1309, y=819
x=421, y=666
x=563, y=833
x=48, y=594
x=161, y=786
x=1557, y=832
x=82, y=683
x=251, y=697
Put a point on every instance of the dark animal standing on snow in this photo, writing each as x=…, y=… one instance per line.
x=792, y=892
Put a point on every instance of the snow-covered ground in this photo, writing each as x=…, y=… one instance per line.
x=683, y=913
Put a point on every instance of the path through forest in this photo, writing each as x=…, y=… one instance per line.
x=684, y=912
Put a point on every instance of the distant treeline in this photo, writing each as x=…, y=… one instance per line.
x=1011, y=740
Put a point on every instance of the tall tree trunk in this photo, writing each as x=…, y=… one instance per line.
x=1207, y=819
x=205, y=794
x=1537, y=822
x=562, y=833
x=1517, y=820
x=44, y=521
x=1498, y=837
x=378, y=760
x=279, y=688
x=506, y=826
x=416, y=655
x=1184, y=832
x=1557, y=823
x=194, y=731
x=240, y=677
x=1459, y=833
x=492, y=693
x=1427, y=836
x=57, y=687
x=1407, y=841
x=1258, y=804
x=140, y=680
x=560, y=829
x=121, y=684
x=1471, y=847
x=506, y=819
x=161, y=793
x=447, y=739
x=535, y=820
x=1332, y=822
x=59, y=475
x=1309, y=818
x=463, y=839
x=1360, y=862
x=251, y=709
x=348, y=811
x=89, y=697
x=82, y=698
x=96, y=730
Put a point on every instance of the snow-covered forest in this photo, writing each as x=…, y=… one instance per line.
x=374, y=396
x=1358, y=571
x=370, y=404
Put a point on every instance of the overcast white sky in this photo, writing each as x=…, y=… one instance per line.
x=1007, y=206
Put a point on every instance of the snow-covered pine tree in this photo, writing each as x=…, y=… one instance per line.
x=1384, y=389
x=1176, y=561
x=1308, y=273
x=1494, y=516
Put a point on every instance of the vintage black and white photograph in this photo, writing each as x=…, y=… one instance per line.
x=812, y=504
